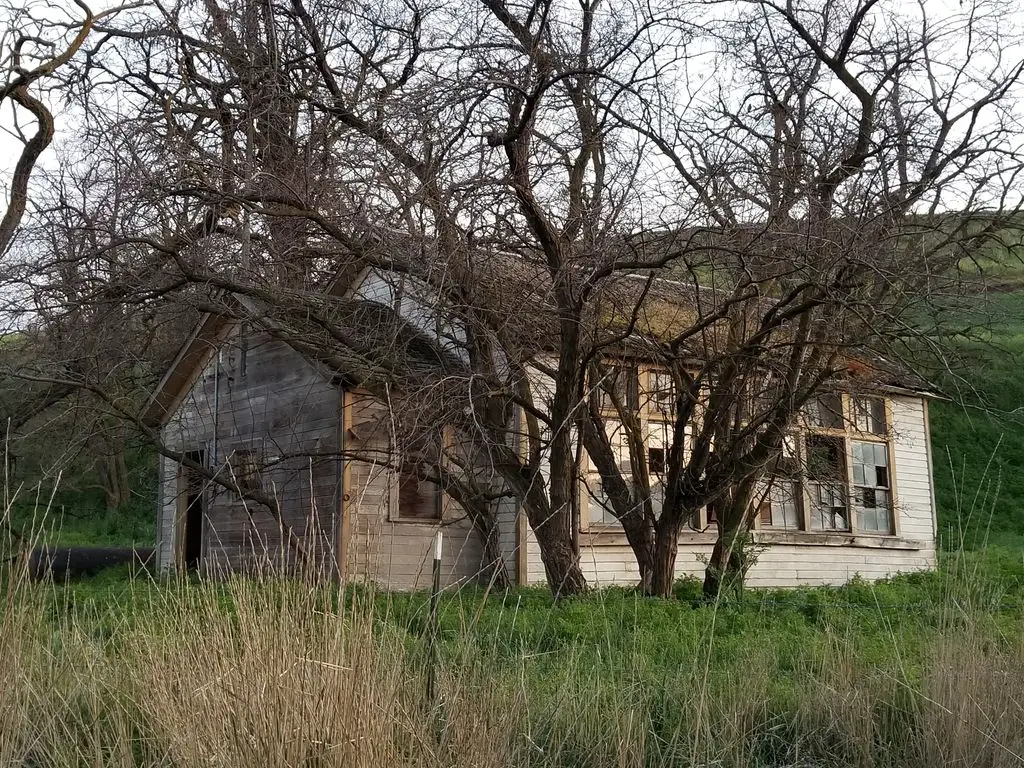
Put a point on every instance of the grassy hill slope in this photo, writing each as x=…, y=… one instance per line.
x=978, y=443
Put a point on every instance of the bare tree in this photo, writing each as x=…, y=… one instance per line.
x=752, y=202
x=36, y=46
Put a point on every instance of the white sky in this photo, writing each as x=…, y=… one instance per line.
x=10, y=146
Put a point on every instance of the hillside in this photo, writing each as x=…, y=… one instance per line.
x=978, y=442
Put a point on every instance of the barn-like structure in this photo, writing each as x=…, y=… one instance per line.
x=248, y=399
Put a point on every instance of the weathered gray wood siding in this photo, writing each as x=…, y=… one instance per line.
x=384, y=549
x=257, y=394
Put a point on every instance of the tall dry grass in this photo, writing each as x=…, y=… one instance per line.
x=275, y=673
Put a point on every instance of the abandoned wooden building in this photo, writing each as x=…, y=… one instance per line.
x=247, y=400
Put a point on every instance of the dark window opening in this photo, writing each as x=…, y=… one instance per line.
x=826, y=411
x=826, y=471
x=194, y=511
x=656, y=460
x=418, y=498
x=826, y=458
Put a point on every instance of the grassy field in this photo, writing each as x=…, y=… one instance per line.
x=926, y=670
x=978, y=444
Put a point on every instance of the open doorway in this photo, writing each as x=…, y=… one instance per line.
x=195, y=512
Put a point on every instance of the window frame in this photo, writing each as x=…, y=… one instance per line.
x=649, y=414
x=255, y=449
x=850, y=433
x=442, y=500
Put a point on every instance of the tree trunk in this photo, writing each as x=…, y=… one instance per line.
x=666, y=546
x=727, y=564
x=496, y=569
x=113, y=474
x=640, y=535
x=562, y=567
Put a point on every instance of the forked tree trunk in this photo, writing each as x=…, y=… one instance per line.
x=561, y=566
x=727, y=565
x=641, y=537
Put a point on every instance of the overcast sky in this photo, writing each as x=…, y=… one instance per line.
x=10, y=146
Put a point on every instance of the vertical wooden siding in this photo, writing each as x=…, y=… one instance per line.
x=279, y=404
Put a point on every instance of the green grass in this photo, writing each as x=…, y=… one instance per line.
x=74, y=513
x=132, y=672
x=978, y=436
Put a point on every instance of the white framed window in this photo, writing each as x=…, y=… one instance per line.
x=871, y=486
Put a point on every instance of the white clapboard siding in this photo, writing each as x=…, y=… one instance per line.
x=607, y=560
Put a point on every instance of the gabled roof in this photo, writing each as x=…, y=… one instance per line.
x=361, y=340
x=364, y=343
x=204, y=340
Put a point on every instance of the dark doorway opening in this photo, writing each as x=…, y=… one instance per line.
x=195, y=511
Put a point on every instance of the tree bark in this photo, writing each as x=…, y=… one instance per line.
x=496, y=571
x=726, y=567
x=561, y=566
x=641, y=536
x=113, y=471
x=666, y=547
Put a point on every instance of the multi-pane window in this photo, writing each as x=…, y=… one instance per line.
x=869, y=415
x=872, y=501
x=652, y=397
x=659, y=441
x=844, y=477
x=826, y=482
x=834, y=473
x=599, y=509
x=778, y=497
x=779, y=503
x=826, y=412
x=598, y=505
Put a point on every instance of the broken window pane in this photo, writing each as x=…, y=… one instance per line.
x=869, y=415
x=871, y=496
x=826, y=411
x=828, y=507
x=779, y=506
x=826, y=459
